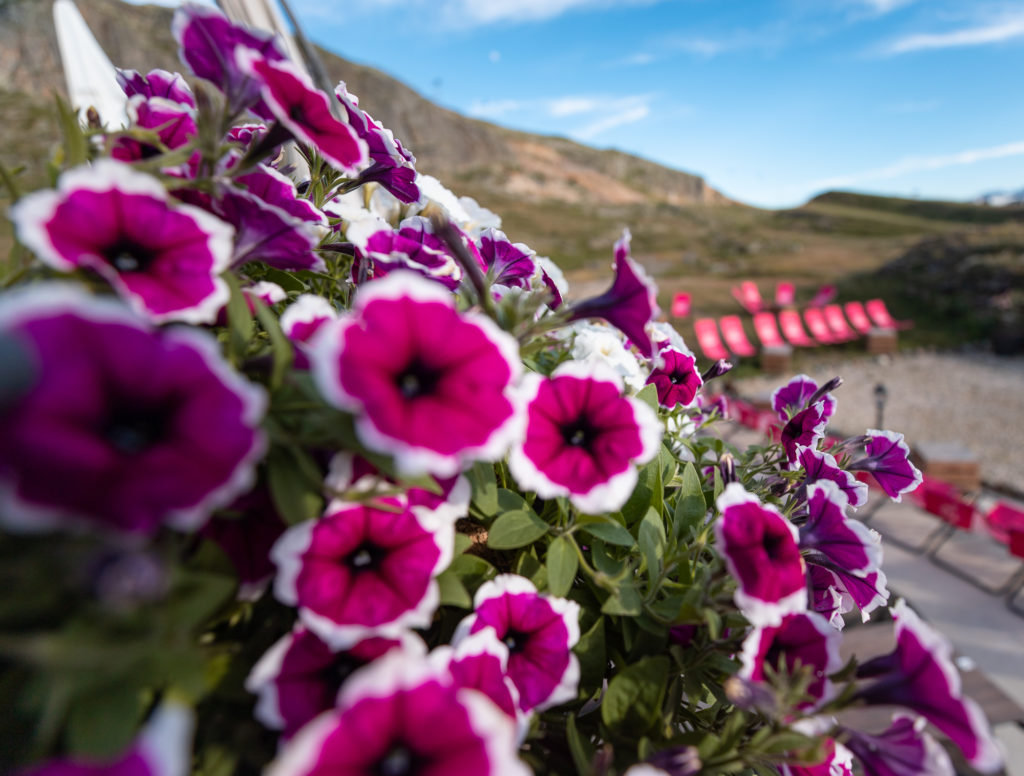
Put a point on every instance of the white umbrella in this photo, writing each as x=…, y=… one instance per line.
x=91, y=78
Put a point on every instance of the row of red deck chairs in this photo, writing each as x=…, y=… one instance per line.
x=749, y=296
x=1004, y=522
x=827, y=326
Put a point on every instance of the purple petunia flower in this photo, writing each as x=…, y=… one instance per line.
x=304, y=111
x=888, y=459
x=508, y=264
x=363, y=570
x=207, y=43
x=391, y=164
x=431, y=386
x=629, y=305
x=904, y=749
x=302, y=319
x=803, y=429
x=583, y=437
x=404, y=715
x=278, y=190
x=139, y=427
x=162, y=748
x=300, y=676
x=805, y=639
x=173, y=123
x=677, y=379
x=163, y=258
x=795, y=395
x=480, y=662
x=156, y=83
x=539, y=631
x=919, y=675
x=264, y=232
x=760, y=549
x=825, y=597
x=820, y=466
x=245, y=531
x=834, y=540
x=413, y=246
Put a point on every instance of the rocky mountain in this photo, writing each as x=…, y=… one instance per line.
x=1000, y=198
x=454, y=147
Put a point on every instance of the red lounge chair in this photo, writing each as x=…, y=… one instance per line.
x=819, y=329
x=681, y=305
x=824, y=296
x=942, y=500
x=708, y=339
x=1002, y=522
x=785, y=295
x=837, y=323
x=880, y=315
x=767, y=331
x=735, y=337
x=858, y=317
x=749, y=296
x=793, y=329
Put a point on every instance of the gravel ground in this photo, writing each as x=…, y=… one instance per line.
x=976, y=399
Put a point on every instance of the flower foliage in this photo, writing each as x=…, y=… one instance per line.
x=308, y=468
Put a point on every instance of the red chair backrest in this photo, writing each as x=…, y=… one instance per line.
x=789, y=320
x=948, y=505
x=819, y=329
x=1017, y=542
x=1003, y=519
x=785, y=294
x=767, y=331
x=681, y=305
x=708, y=339
x=880, y=313
x=825, y=295
x=837, y=322
x=749, y=296
x=858, y=317
x=735, y=336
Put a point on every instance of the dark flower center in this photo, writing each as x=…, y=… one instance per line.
x=679, y=378
x=417, y=379
x=131, y=430
x=335, y=674
x=399, y=760
x=772, y=544
x=579, y=432
x=515, y=640
x=130, y=256
x=366, y=557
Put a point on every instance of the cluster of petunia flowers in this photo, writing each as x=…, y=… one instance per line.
x=118, y=388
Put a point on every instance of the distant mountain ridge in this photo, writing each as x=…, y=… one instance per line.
x=1000, y=198
x=451, y=146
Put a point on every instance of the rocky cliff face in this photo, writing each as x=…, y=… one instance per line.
x=447, y=144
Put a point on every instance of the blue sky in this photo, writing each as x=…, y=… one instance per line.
x=771, y=101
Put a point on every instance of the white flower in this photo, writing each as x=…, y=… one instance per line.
x=594, y=343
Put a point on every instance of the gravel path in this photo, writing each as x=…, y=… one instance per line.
x=976, y=399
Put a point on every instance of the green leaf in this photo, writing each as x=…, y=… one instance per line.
x=13, y=189
x=648, y=493
x=485, y=488
x=290, y=490
x=582, y=751
x=625, y=600
x=649, y=396
x=289, y=281
x=103, y=721
x=719, y=485
x=652, y=541
x=280, y=347
x=590, y=650
x=453, y=592
x=611, y=532
x=635, y=694
x=515, y=529
x=76, y=147
x=690, y=505
x=239, y=320
x=604, y=562
x=462, y=543
x=562, y=562
x=510, y=501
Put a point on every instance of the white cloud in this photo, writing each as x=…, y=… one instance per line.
x=494, y=56
x=617, y=115
x=494, y=109
x=997, y=32
x=479, y=12
x=572, y=106
x=885, y=6
x=912, y=164
x=641, y=58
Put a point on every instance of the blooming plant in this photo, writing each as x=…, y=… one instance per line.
x=305, y=469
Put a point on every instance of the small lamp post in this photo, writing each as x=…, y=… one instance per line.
x=881, y=396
